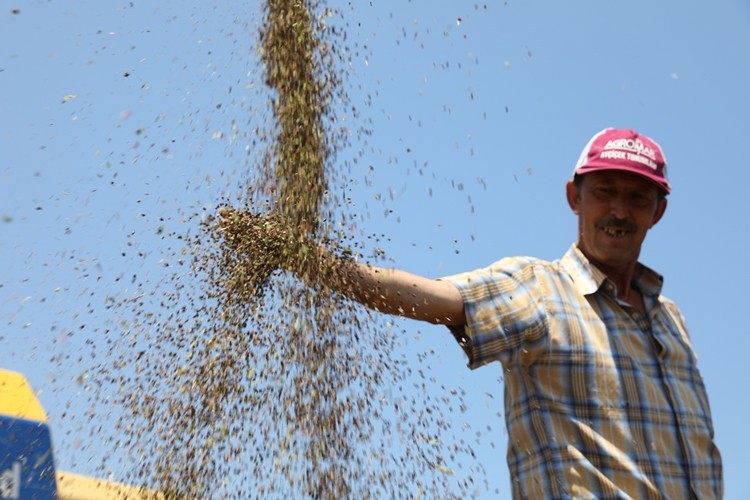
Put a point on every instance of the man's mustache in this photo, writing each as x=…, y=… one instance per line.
x=614, y=222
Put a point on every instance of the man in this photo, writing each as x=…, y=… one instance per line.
x=603, y=398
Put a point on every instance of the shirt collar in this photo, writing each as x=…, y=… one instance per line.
x=590, y=279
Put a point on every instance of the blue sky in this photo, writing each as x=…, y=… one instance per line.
x=122, y=117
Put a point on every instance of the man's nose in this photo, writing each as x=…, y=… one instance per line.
x=619, y=207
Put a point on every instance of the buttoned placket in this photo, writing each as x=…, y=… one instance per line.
x=644, y=323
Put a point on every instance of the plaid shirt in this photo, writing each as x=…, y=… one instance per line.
x=601, y=401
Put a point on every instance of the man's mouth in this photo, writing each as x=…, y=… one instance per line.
x=614, y=232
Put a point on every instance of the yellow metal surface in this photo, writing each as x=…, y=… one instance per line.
x=17, y=398
x=75, y=487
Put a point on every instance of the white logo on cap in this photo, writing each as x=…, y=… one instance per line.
x=635, y=146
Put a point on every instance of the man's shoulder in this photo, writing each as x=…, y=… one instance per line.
x=515, y=268
x=519, y=268
x=519, y=262
x=671, y=307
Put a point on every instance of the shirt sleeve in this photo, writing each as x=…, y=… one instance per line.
x=499, y=301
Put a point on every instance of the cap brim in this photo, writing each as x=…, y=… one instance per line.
x=660, y=182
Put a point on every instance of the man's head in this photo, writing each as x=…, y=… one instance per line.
x=618, y=192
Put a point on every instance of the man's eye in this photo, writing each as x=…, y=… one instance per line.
x=641, y=199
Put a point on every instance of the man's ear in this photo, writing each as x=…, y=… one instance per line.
x=659, y=211
x=573, y=195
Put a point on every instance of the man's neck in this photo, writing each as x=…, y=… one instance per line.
x=621, y=276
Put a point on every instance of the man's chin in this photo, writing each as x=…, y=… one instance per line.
x=613, y=257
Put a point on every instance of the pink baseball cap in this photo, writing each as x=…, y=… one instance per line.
x=625, y=150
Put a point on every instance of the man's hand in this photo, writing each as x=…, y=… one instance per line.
x=256, y=246
x=260, y=244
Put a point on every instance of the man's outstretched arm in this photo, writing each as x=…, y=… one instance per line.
x=268, y=239
x=401, y=293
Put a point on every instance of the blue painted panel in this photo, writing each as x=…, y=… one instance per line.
x=27, y=469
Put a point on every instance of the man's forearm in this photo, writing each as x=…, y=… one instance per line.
x=398, y=292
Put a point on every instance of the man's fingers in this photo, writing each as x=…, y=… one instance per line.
x=225, y=212
x=226, y=215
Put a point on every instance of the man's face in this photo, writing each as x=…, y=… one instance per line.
x=615, y=211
